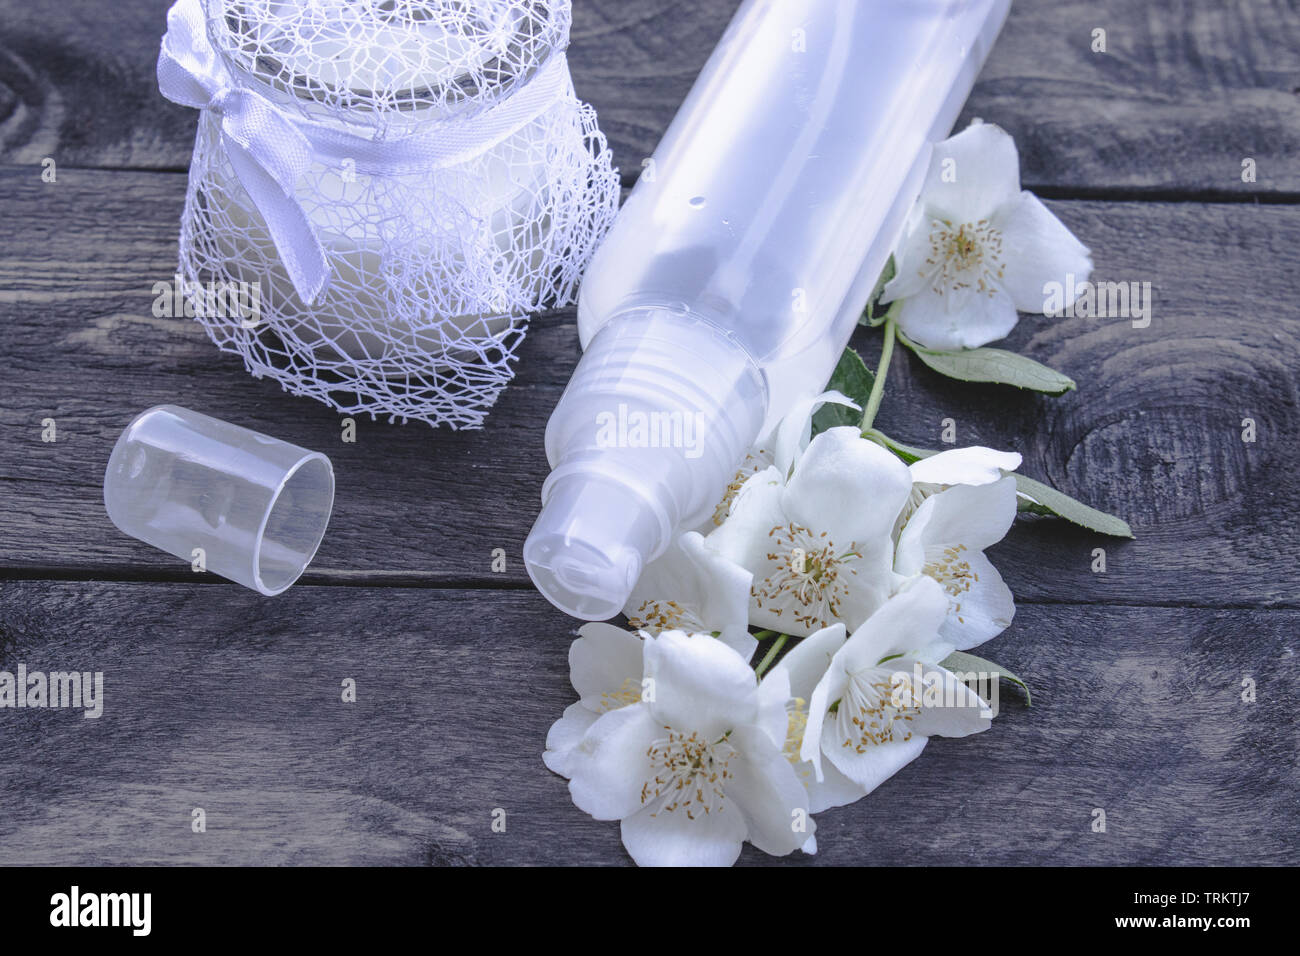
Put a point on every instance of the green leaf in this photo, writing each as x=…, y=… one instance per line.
x=1046, y=500
x=969, y=663
x=852, y=378
x=908, y=453
x=875, y=313
x=993, y=365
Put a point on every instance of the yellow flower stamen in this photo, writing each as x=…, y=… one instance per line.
x=656, y=616
x=954, y=573
x=968, y=256
x=751, y=466
x=875, y=711
x=808, y=570
x=690, y=774
x=629, y=693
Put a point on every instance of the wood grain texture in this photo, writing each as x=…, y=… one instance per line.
x=1152, y=434
x=216, y=698
x=1184, y=92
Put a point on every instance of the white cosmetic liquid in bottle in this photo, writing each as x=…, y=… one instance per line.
x=736, y=271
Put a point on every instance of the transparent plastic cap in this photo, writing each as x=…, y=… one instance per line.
x=643, y=442
x=588, y=557
x=225, y=499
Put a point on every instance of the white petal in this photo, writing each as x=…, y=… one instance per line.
x=806, y=664
x=711, y=592
x=983, y=167
x=609, y=766
x=833, y=790
x=773, y=718
x=757, y=459
x=981, y=613
x=671, y=838
x=847, y=486
x=907, y=622
x=766, y=788
x=724, y=601
x=937, y=652
x=1038, y=248
x=743, y=537
x=876, y=764
x=828, y=690
x=871, y=583
x=670, y=577
x=601, y=661
x=975, y=465
x=740, y=641
x=795, y=429
x=957, y=320
x=565, y=734
x=914, y=271
x=694, y=587
x=960, y=712
x=976, y=516
x=699, y=684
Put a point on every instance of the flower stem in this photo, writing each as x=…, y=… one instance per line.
x=763, y=635
x=770, y=656
x=882, y=370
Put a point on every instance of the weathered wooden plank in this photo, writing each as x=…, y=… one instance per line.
x=1154, y=432
x=217, y=698
x=1183, y=94
x=1185, y=91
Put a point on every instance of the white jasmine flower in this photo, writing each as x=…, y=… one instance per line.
x=945, y=538
x=977, y=247
x=695, y=767
x=692, y=587
x=605, y=668
x=869, y=715
x=803, y=668
x=818, y=545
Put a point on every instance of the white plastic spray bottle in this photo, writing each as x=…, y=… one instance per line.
x=736, y=271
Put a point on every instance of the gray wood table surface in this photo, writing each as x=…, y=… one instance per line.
x=219, y=699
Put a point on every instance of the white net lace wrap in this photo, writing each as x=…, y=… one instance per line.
x=386, y=189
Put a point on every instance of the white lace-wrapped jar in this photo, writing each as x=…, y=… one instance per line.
x=405, y=181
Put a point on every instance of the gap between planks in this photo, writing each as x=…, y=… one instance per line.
x=418, y=581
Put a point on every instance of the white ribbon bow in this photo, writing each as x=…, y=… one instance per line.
x=269, y=149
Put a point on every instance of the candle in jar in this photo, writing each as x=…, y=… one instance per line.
x=362, y=220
